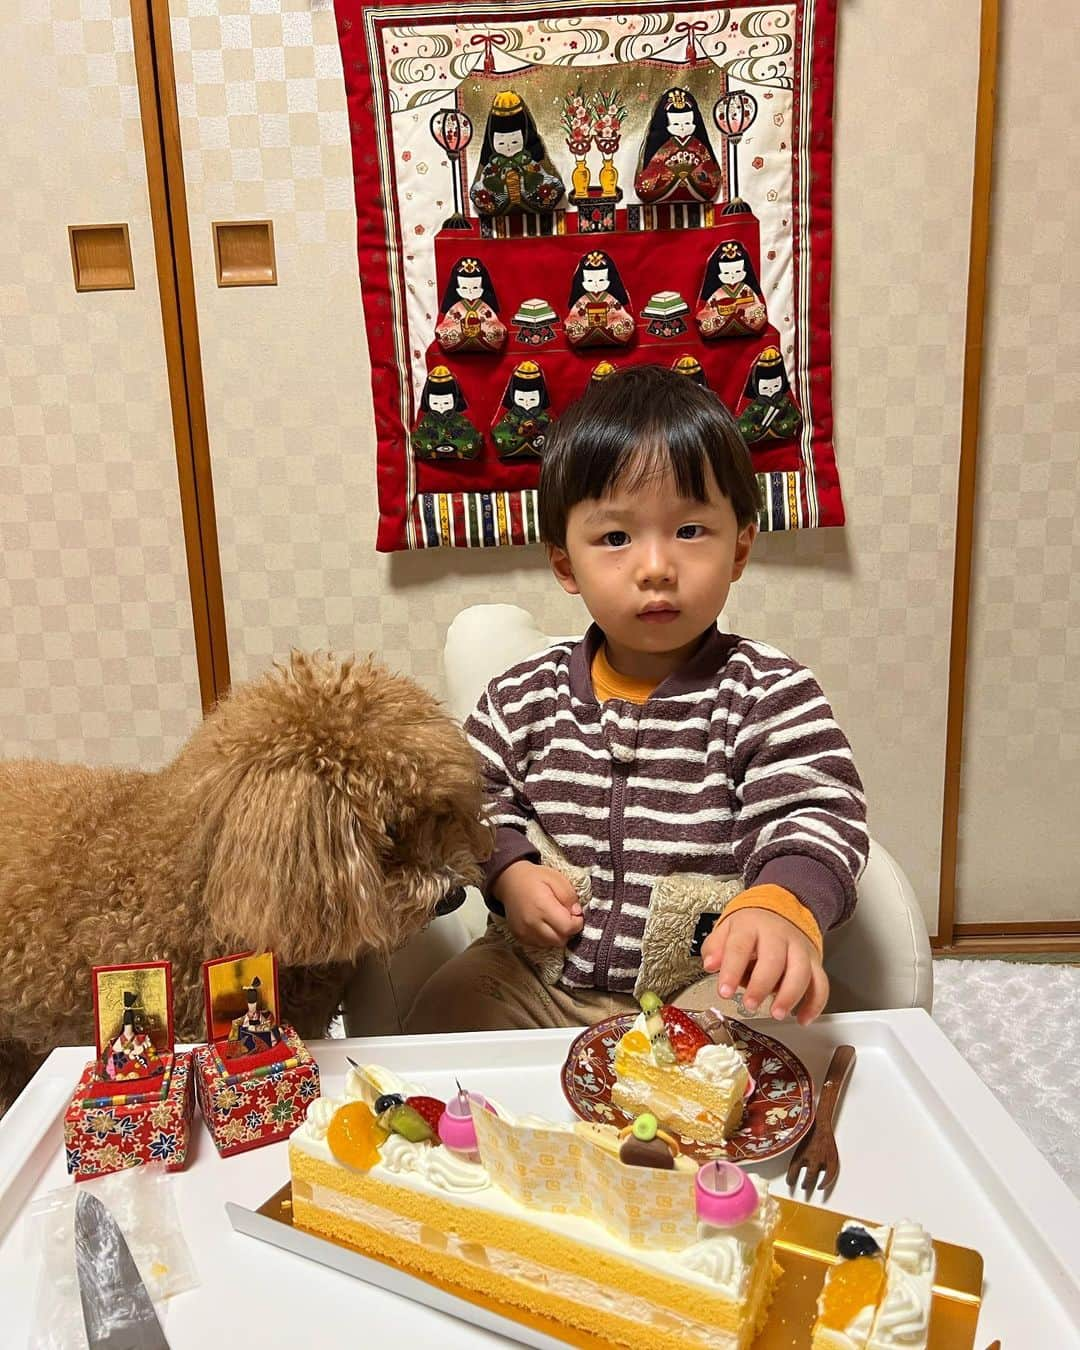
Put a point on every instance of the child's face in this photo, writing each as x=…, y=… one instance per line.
x=653, y=569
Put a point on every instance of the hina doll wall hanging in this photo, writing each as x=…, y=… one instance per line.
x=579, y=185
x=469, y=320
x=599, y=314
x=521, y=429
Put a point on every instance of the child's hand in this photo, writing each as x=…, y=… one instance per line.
x=779, y=957
x=542, y=907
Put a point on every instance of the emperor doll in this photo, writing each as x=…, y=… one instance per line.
x=257, y=1028
x=442, y=432
x=599, y=314
x=677, y=163
x=515, y=173
x=771, y=413
x=521, y=430
x=469, y=320
x=731, y=303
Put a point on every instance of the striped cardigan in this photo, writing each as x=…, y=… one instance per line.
x=734, y=767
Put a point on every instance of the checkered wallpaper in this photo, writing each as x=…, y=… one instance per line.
x=1021, y=780
x=97, y=656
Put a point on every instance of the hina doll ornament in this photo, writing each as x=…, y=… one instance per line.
x=535, y=322
x=599, y=314
x=690, y=366
x=257, y=1028
x=771, y=413
x=514, y=173
x=469, y=320
x=601, y=371
x=255, y=1078
x=442, y=430
x=731, y=303
x=132, y=1053
x=676, y=163
x=135, y=1100
x=521, y=430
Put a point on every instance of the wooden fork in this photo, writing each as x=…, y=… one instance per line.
x=817, y=1152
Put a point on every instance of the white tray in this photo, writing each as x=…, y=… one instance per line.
x=919, y=1135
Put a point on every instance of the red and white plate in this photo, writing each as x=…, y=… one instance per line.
x=777, y=1115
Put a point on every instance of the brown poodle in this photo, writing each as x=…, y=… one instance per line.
x=323, y=812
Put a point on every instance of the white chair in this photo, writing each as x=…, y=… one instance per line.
x=879, y=959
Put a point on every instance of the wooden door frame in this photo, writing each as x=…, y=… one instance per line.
x=156, y=75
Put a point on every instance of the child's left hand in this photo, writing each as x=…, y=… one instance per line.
x=779, y=957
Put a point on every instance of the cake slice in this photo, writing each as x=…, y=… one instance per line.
x=664, y=304
x=878, y=1295
x=548, y=1218
x=535, y=311
x=667, y=1064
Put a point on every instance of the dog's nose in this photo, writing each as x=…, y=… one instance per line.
x=453, y=900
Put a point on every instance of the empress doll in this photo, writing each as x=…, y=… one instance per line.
x=676, y=163
x=469, y=320
x=521, y=430
x=731, y=303
x=690, y=366
x=132, y=1053
x=771, y=413
x=599, y=314
x=442, y=431
x=515, y=173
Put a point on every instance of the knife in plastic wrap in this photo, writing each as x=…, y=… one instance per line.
x=117, y=1310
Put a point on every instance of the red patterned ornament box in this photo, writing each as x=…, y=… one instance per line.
x=104, y=1134
x=255, y=1078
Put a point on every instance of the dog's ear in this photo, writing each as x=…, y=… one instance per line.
x=289, y=869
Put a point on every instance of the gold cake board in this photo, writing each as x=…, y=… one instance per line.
x=805, y=1245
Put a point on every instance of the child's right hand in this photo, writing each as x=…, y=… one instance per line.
x=542, y=908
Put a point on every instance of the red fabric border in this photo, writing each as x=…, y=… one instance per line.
x=378, y=263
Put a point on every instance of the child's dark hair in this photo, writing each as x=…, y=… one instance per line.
x=632, y=424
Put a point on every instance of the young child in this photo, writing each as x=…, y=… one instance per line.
x=656, y=747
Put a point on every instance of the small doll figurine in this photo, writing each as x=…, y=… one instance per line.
x=521, y=431
x=731, y=303
x=470, y=321
x=132, y=1053
x=515, y=173
x=256, y=1029
x=772, y=413
x=601, y=371
x=599, y=314
x=442, y=431
x=677, y=163
x=690, y=366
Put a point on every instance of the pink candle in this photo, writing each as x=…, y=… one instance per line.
x=456, y=1128
x=724, y=1194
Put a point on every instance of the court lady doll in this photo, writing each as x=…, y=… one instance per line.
x=599, y=314
x=771, y=413
x=521, y=430
x=442, y=430
x=515, y=173
x=731, y=302
x=676, y=163
x=469, y=321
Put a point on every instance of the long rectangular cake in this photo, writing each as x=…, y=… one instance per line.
x=614, y=1234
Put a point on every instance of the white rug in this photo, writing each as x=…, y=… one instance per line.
x=1018, y=1026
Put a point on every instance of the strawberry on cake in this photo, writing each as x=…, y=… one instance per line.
x=667, y=1064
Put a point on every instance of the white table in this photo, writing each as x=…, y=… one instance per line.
x=920, y=1137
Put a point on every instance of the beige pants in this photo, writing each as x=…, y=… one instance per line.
x=491, y=987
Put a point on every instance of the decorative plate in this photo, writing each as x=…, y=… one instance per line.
x=778, y=1114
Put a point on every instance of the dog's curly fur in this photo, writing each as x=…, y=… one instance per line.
x=321, y=812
